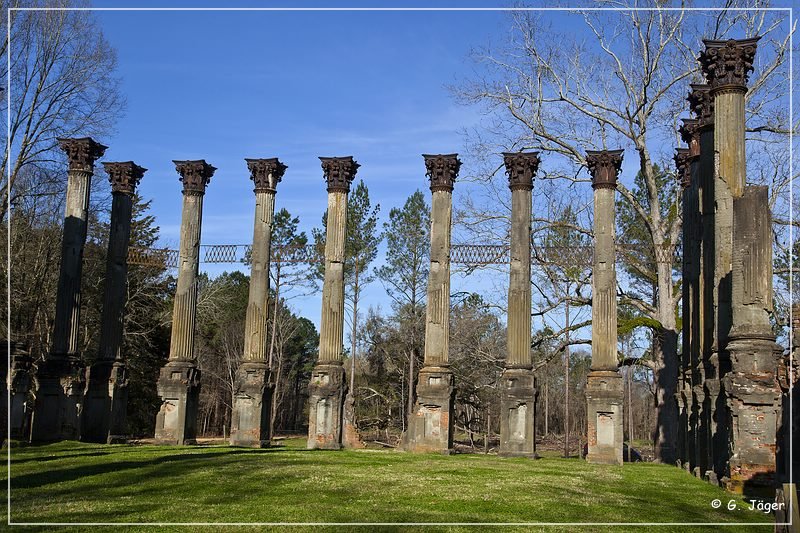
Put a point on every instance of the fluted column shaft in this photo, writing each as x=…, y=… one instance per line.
x=331, y=339
x=255, y=334
x=604, y=282
x=116, y=293
x=82, y=153
x=437, y=319
x=519, y=285
x=184, y=311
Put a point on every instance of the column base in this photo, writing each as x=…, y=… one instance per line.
x=604, y=398
x=105, y=403
x=430, y=428
x=753, y=398
x=252, y=406
x=59, y=384
x=179, y=390
x=351, y=437
x=19, y=387
x=326, y=402
x=518, y=413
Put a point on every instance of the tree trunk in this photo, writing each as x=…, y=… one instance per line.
x=665, y=374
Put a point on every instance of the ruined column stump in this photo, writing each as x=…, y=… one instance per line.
x=20, y=379
x=518, y=413
x=326, y=393
x=252, y=405
x=59, y=385
x=430, y=428
x=105, y=403
x=179, y=390
x=604, y=398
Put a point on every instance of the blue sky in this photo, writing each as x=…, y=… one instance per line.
x=228, y=85
x=222, y=86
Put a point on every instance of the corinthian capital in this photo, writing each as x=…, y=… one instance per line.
x=520, y=168
x=604, y=167
x=690, y=134
x=82, y=153
x=442, y=169
x=266, y=173
x=124, y=177
x=195, y=175
x=682, y=164
x=726, y=64
x=702, y=104
x=339, y=172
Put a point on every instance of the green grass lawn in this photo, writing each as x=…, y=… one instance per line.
x=75, y=482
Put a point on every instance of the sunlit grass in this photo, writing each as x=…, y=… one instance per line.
x=75, y=482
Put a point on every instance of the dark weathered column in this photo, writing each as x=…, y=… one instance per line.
x=105, y=401
x=683, y=390
x=328, y=386
x=705, y=375
x=726, y=65
x=179, y=382
x=430, y=426
x=604, y=387
x=752, y=385
x=789, y=377
x=688, y=163
x=19, y=389
x=517, y=384
x=252, y=397
x=60, y=377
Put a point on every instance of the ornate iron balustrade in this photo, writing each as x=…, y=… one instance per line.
x=464, y=254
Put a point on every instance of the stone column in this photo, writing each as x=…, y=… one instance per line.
x=517, y=384
x=688, y=163
x=328, y=387
x=788, y=377
x=752, y=387
x=705, y=376
x=252, y=397
x=59, y=378
x=106, y=397
x=683, y=395
x=430, y=426
x=179, y=382
x=726, y=65
x=604, y=387
x=19, y=390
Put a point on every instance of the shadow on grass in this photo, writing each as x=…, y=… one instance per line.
x=55, y=457
x=40, y=479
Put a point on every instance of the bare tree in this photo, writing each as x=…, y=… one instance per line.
x=63, y=84
x=619, y=79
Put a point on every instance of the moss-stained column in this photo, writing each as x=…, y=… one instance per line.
x=726, y=65
x=328, y=386
x=517, y=384
x=106, y=398
x=179, y=382
x=688, y=166
x=604, y=387
x=683, y=166
x=252, y=396
x=430, y=426
x=705, y=375
x=752, y=386
x=59, y=380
